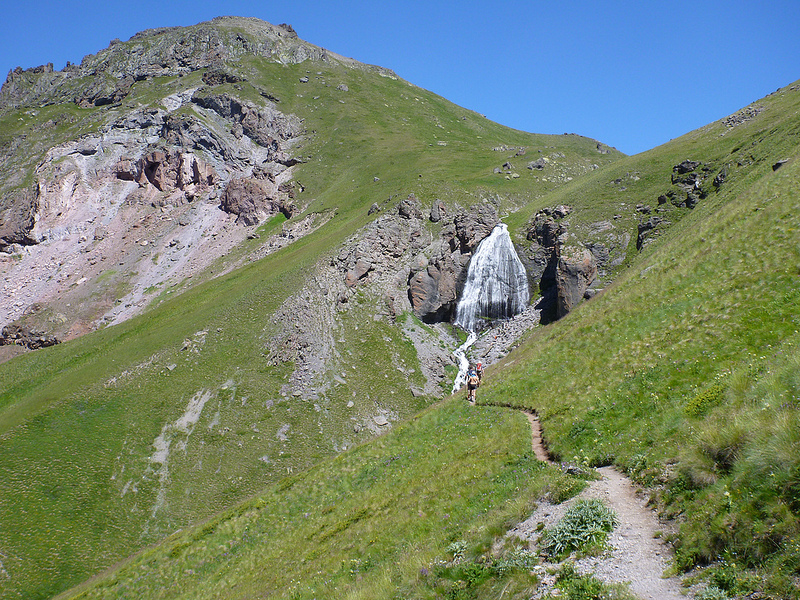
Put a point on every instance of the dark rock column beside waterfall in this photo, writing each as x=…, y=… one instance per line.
x=563, y=272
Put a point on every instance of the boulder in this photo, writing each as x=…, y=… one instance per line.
x=409, y=208
x=539, y=164
x=249, y=200
x=779, y=164
x=359, y=271
x=126, y=169
x=438, y=211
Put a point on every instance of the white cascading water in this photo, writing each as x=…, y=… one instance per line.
x=463, y=362
x=496, y=288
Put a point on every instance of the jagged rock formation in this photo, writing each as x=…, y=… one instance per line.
x=690, y=185
x=108, y=76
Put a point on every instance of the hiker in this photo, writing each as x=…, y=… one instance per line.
x=480, y=373
x=472, y=384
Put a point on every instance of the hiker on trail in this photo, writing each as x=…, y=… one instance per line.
x=480, y=373
x=473, y=381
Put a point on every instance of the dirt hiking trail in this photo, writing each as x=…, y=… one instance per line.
x=635, y=556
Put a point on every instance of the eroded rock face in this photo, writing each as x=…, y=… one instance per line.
x=17, y=217
x=433, y=291
x=144, y=190
x=434, y=284
x=574, y=274
x=252, y=199
x=264, y=125
x=471, y=227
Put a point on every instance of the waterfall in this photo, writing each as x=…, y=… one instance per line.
x=497, y=284
x=496, y=288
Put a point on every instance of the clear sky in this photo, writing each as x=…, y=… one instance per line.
x=632, y=74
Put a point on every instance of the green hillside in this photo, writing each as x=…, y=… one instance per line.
x=684, y=373
x=163, y=458
x=114, y=440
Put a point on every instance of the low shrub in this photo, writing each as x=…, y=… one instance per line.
x=701, y=403
x=585, y=524
x=712, y=592
x=575, y=586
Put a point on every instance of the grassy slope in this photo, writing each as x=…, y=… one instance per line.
x=78, y=490
x=363, y=525
x=685, y=372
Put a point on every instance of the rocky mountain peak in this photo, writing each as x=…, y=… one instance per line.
x=107, y=77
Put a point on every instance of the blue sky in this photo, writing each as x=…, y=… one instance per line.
x=633, y=74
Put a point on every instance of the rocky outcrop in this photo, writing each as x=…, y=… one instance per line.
x=690, y=184
x=168, y=170
x=562, y=271
x=375, y=253
x=409, y=208
x=24, y=336
x=254, y=200
x=472, y=226
x=399, y=250
x=264, y=125
x=438, y=211
x=646, y=230
x=743, y=116
x=576, y=271
x=17, y=217
x=433, y=290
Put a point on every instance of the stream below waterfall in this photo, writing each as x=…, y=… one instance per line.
x=463, y=362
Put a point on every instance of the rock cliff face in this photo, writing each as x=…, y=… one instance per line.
x=436, y=278
x=562, y=268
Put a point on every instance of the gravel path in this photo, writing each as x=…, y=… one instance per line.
x=635, y=555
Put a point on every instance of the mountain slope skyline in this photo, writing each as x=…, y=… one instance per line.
x=631, y=76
